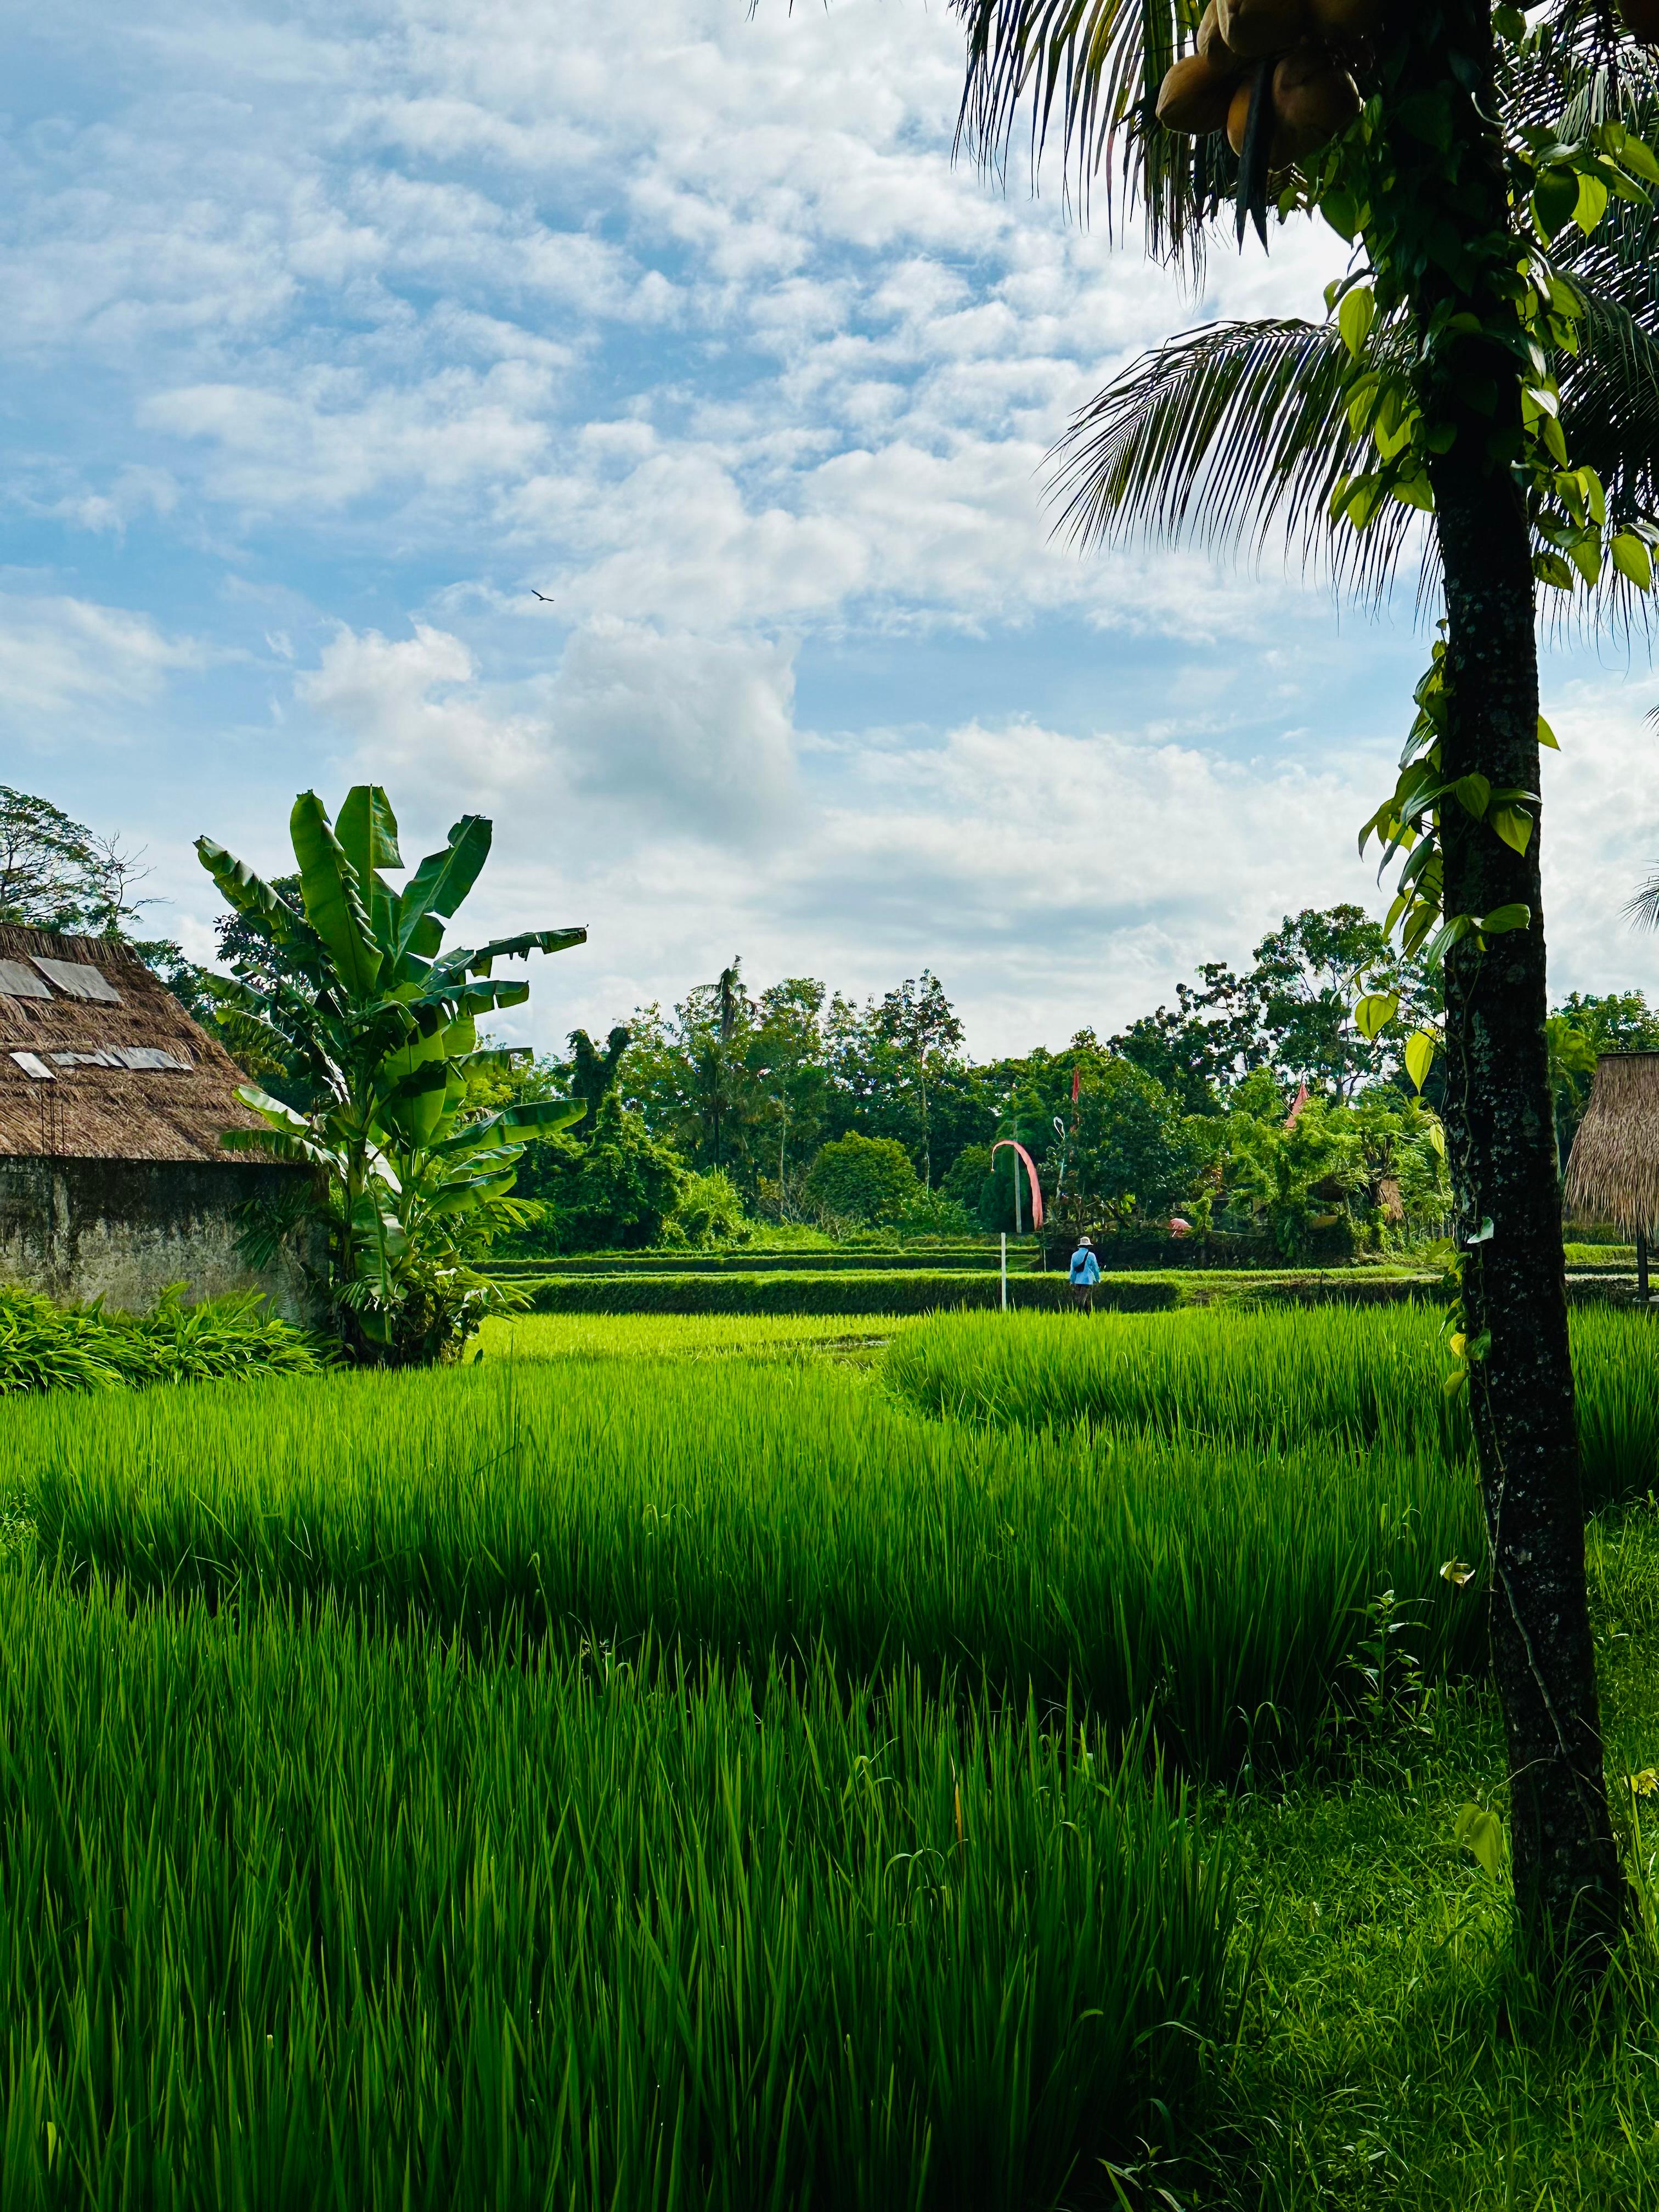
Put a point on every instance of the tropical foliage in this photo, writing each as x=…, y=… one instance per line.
x=362, y=1003
x=45, y=1346
x=608, y=1185
x=863, y=1179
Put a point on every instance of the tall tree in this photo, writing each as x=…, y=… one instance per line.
x=55, y=873
x=593, y=1073
x=719, y=1089
x=1474, y=139
x=919, y=1022
x=785, y=1060
x=1309, y=976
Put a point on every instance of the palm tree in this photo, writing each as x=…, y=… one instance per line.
x=1247, y=429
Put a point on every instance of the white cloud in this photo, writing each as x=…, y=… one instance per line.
x=1600, y=833
x=637, y=734
x=1054, y=878
x=60, y=657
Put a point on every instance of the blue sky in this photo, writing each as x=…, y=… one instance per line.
x=332, y=332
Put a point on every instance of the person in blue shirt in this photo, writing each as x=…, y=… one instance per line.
x=1085, y=1273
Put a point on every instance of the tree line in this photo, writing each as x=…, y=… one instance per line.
x=1254, y=1104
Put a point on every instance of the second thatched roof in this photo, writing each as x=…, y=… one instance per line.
x=1612, y=1174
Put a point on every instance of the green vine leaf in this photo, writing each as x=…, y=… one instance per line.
x=1355, y=317
x=1474, y=795
x=1503, y=919
x=1591, y=203
x=1632, y=559
x=1554, y=200
x=1374, y=1013
x=1481, y=1835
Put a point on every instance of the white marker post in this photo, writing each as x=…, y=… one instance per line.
x=1004, y=1271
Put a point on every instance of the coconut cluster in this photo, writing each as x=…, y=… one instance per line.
x=1309, y=43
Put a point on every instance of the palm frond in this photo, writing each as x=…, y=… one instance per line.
x=1223, y=437
x=1641, y=909
x=1090, y=70
x=1578, y=69
x=1228, y=434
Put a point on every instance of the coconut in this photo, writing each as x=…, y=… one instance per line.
x=1252, y=29
x=1213, y=48
x=1314, y=98
x=1641, y=19
x=1238, y=118
x=1345, y=21
x=1193, y=98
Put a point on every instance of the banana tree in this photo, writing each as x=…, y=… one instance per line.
x=384, y=1021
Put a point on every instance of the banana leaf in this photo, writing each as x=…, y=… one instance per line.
x=535, y=1117
x=368, y=831
x=334, y=905
x=256, y=901
x=442, y=881
x=507, y=948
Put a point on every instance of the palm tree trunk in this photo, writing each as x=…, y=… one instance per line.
x=1501, y=1131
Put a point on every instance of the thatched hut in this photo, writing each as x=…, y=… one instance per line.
x=114, y=1182
x=1612, y=1172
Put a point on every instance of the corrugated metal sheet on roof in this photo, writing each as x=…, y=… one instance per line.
x=116, y=1070
x=79, y=979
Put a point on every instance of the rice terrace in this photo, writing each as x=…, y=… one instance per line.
x=998, y=1552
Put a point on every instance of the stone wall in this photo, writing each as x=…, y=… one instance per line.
x=124, y=1229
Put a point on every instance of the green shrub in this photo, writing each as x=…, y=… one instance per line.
x=863, y=1179
x=612, y=1188
x=305, y=1917
x=932, y=1213
x=46, y=1347
x=753, y=1510
x=708, y=1210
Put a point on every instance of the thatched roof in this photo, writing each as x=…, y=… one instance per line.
x=99, y=1061
x=1612, y=1174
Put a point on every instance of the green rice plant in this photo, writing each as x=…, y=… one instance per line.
x=46, y=1347
x=1612, y=1259
x=745, y=1260
x=303, y=1915
x=754, y=1511
x=1359, y=1381
x=684, y=1336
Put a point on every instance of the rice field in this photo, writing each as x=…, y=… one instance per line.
x=318, y=1917
x=752, y=1512
x=1354, y=1380
x=742, y=1762
x=687, y=1336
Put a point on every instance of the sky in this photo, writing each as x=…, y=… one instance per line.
x=333, y=334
